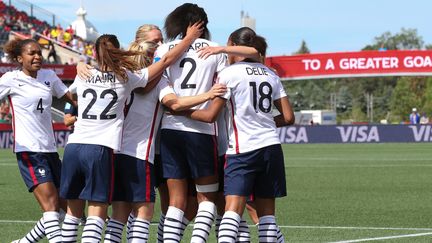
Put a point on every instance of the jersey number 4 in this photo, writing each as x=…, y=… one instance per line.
x=104, y=115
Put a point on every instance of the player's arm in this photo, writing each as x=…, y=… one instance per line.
x=208, y=115
x=156, y=69
x=71, y=98
x=69, y=119
x=84, y=70
x=149, y=86
x=175, y=103
x=287, y=115
x=243, y=51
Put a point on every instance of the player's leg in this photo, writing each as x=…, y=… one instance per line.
x=41, y=173
x=270, y=184
x=114, y=228
x=173, y=229
x=175, y=169
x=75, y=210
x=72, y=183
x=239, y=180
x=98, y=189
x=142, y=196
x=203, y=163
x=125, y=172
x=163, y=196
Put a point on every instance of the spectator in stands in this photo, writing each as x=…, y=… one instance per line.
x=51, y=53
x=414, y=116
x=424, y=119
x=4, y=112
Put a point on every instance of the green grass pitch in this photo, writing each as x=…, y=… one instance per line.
x=336, y=193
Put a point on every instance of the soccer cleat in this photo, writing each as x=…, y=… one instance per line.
x=15, y=241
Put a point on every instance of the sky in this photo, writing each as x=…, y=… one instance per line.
x=325, y=25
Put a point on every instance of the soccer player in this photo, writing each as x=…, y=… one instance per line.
x=88, y=159
x=30, y=90
x=134, y=163
x=254, y=156
x=188, y=148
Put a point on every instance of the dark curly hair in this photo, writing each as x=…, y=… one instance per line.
x=177, y=22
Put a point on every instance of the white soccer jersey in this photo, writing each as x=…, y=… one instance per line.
x=252, y=88
x=101, y=100
x=30, y=101
x=222, y=132
x=190, y=76
x=142, y=122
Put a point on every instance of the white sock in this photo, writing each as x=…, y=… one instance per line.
x=280, y=237
x=70, y=228
x=185, y=223
x=92, y=232
x=244, y=232
x=52, y=226
x=203, y=222
x=139, y=231
x=267, y=229
x=217, y=224
x=229, y=227
x=160, y=228
x=130, y=219
x=35, y=234
x=113, y=231
x=172, y=230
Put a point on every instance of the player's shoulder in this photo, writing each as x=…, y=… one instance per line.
x=10, y=75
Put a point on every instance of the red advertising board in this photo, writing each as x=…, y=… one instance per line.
x=353, y=64
x=65, y=72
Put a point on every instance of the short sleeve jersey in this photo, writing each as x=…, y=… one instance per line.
x=252, y=88
x=190, y=76
x=31, y=100
x=101, y=101
x=142, y=122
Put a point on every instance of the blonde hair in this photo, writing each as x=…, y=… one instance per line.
x=141, y=33
x=143, y=46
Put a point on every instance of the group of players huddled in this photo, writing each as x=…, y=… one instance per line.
x=191, y=118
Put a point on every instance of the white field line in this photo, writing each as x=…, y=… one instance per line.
x=351, y=228
x=281, y=226
x=383, y=238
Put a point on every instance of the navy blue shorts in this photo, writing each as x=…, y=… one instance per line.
x=87, y=173
x=134, y=179
x=260, y=172
x=221, y=167
x=37, y=168
x=188, y=154
x=158, y=170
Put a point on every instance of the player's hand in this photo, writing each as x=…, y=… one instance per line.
x=209, y=50
x=217, y=90
x=83, y=70
x=195, y=30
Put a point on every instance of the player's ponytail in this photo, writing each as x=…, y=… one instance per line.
x=244, y=36
x=111, y=58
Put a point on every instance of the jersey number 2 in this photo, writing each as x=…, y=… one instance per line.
x=184, y=84
x=104, y=115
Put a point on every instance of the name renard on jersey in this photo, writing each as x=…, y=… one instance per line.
x=102, y=78
x=194, y=47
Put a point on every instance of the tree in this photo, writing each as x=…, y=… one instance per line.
x=303, y=48
x=406, y=39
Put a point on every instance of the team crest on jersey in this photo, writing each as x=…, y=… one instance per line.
x=42, y=172
x=47, y=83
